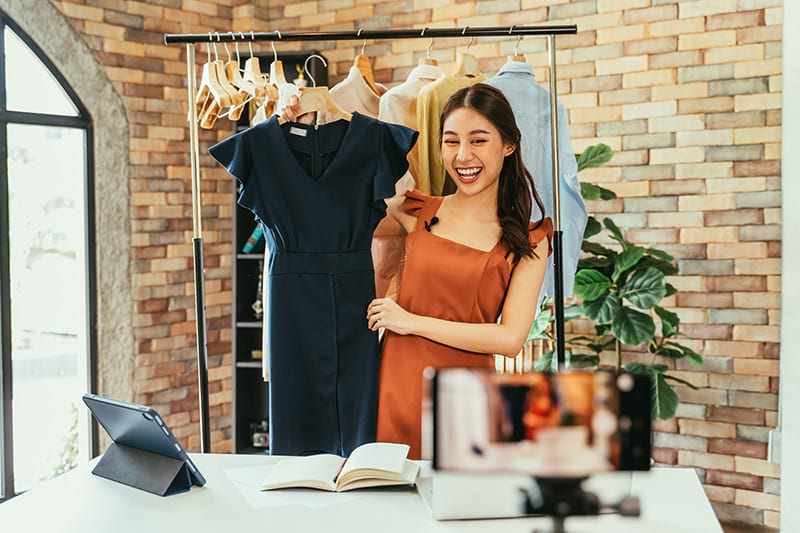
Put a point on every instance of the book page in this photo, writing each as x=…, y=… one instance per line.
x=314, y=471
x=376, y=456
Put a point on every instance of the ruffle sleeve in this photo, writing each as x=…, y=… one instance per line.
x=235, y=155
x=397, y=141
x=540, y=229
x=415, y=202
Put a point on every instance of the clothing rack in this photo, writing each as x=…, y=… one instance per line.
x=191, y=39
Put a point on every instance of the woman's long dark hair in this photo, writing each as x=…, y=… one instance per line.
x=516, y=187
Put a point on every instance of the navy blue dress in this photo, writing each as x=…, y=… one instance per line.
x=319, y=193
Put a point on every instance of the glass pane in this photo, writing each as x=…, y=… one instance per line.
x=29, y=84
x=49, y=348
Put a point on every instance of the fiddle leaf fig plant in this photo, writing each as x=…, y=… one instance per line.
x=620, y=291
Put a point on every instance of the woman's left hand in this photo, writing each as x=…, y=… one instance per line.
x=386, y=313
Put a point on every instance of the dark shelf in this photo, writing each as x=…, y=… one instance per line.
x=248, y=364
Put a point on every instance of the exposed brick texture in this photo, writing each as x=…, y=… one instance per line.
x=689, y=95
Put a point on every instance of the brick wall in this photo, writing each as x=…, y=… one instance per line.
x=687, y=93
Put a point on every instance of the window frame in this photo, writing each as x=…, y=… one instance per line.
x=83, y=122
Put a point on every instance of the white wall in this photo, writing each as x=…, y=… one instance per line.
x=790, y=305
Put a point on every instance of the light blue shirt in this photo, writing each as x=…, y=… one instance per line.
x=531, y=104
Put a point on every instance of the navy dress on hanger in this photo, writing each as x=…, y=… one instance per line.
x=319, y=193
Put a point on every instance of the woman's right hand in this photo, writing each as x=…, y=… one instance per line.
x=291, y=112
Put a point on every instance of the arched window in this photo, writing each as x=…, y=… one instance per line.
x=46, y=266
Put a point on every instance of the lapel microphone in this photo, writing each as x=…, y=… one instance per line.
x=428, y=225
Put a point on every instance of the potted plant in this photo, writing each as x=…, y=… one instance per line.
x=620, y=288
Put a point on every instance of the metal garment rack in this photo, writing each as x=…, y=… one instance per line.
x=191, y=39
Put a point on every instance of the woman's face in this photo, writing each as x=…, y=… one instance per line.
x=472, y=150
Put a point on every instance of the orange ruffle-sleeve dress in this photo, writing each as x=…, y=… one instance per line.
x=446, y=280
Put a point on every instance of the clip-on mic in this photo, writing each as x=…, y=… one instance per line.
x=429, y=225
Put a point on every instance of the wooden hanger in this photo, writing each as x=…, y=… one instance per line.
x=428, y=60
x=467, y=65
x=276, y=75
x=212, y=96
x=362, y=63
x=516, y=57
x=318, y=99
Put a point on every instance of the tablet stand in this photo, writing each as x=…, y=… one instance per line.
x=144, y=470
x=563, y=497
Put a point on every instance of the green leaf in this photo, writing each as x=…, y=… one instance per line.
x=657, y=369
x=626, y=260
x=633, y=327
x=593, y=227
x=594, y=156
x=669, y=321
x=660, y=254
x=645, y=288
x=597, y=249
x=572, y=312
x=694, y=358
x=681, y=381
x=616, y=233
x=670, y=290
x=607, y=194
x=596, y=263
x=604, y=309
x=539, y=327
x=583, y=361
x=636, y=368
x=548, y=362
x=590, y=191
x=667, y=268
x=610, y=309
x=601, y=330
x=591, y=285
x=669, y=352
x=581, y=340
x=665, y=401
x=667, y=316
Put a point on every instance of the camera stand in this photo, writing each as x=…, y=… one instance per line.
x=560, y=498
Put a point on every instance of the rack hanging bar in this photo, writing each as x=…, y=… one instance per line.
x=360, y=35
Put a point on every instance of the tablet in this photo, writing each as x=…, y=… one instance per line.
x=139, y=426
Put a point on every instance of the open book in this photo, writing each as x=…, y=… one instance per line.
x=376, y=464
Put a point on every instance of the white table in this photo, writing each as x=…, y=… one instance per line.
x=672, y=501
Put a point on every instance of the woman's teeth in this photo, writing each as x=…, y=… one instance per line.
x=468, y=174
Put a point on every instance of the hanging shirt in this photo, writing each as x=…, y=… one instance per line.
x=531, y=104
x=319, y=193
x=354, y=94
x=430, y=104
x=399, y=105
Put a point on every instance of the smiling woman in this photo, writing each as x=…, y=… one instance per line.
x=472, y=258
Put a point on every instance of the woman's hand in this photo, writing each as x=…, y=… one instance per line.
x=291, y=112
x=386, y=313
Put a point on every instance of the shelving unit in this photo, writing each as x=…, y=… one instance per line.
x=250, y=391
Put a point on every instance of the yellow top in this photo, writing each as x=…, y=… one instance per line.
x=430, y=104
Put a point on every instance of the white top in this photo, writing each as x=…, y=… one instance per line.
x=79, y=502
x=353, y=94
